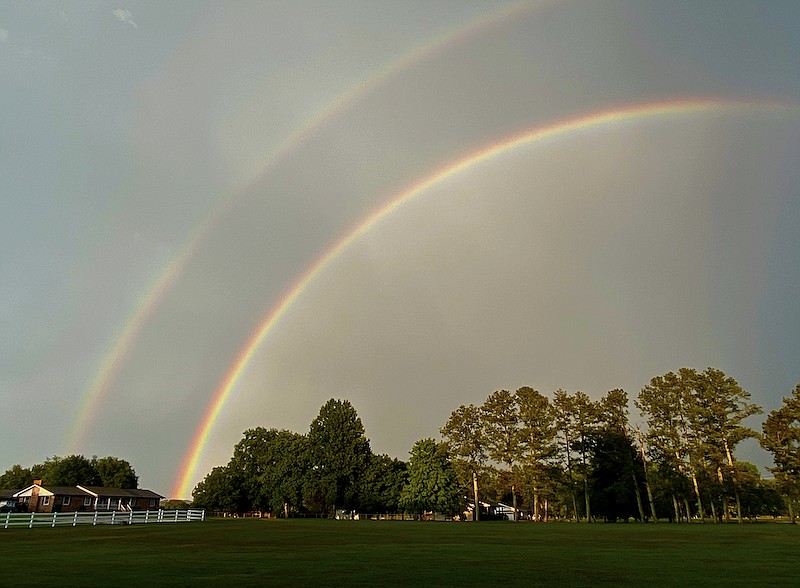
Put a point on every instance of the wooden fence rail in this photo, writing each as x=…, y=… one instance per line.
x=111, y=517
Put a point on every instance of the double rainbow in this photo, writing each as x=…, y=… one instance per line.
x=536, y=136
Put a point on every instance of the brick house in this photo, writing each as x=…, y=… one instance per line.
x=41, y=498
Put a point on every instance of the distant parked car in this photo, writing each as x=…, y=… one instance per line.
x=12, y=506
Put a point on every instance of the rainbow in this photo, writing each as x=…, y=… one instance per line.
x=538, y=135
x=151, y=298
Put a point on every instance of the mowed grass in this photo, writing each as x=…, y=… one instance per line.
x=253, y=552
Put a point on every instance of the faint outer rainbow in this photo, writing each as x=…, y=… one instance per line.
x=107, y=368
x=539, y=134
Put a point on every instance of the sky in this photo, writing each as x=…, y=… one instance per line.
x=219, y=215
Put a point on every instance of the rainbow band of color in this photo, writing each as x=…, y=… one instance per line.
x=107, y=369
x=537, y=135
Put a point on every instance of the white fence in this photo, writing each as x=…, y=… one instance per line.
x=112, y=517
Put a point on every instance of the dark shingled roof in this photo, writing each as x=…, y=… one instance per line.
x=121, y=492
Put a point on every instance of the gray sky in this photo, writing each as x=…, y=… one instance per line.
x=227, y=145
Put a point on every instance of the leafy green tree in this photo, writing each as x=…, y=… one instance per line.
x=16, y=477
x=500, y=417
x=538, y=438
x=70, y=471
x=613, y=417
x=432, y=484
x=782, y=439
x=720, y=407
x=220, y=490
x=382, y=484
x=339, y=452
x=466, y=441
x=115, y=472
x=287, y=467
x=667, y=405
x=564, y=416
x=252, y=457
x=585, y=418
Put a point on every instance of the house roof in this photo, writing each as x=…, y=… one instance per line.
x=94, y=491
x=120, y=492
x=7, y=494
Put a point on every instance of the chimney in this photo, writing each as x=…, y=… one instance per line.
x=37, y=482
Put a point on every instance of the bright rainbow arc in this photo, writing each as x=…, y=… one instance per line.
x=540, y=134
x=149, y=302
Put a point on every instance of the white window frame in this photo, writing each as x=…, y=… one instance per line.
x=152, y=502
x=45, y=501
x=87, y=501
x=66, y=500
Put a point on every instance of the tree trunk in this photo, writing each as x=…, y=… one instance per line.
x=697, y=495
x=585, y=480
x=688, y=510
x=733, y=479
x=514, y=500
x=476, y=513
x=638, y=496
x=646, y=477
x=571, y=479
x=675, y=509
x=535, y=503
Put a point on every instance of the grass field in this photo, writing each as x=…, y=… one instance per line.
x=254, y=552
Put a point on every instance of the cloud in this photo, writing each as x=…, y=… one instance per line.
x=3, y=36
x=125, y=15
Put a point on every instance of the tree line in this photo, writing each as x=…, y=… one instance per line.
x=73, y=470
x=562, y=457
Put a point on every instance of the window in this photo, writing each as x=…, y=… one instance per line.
x=152, y=502
x=102, y=503
x=45, y=500
x=87, y=501
x=66, y=499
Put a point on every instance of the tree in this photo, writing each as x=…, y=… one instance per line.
x=613, y=415
x=220, y=490
x=16, y=478
x=564, y=421
x=286, y=471
x=666, y=404
x=721, y=406
x=466, y=442
x=115, y=473
x=432, y=484
x=339, y=452
x=382, y=484
x=613, y=459
x=500, y=416
x=585, y=417
x=70, y=471
x=538, y=437
x=782, y=439
x=250, y=460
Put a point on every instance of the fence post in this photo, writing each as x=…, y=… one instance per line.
x=113, y=515
x=8, y=515
x=130, y=518
x=55, y=515
x=31, y=525
x=94, y=520
x=146, y=515
x=75, y=519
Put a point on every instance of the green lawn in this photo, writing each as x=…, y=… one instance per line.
x=253, y=552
